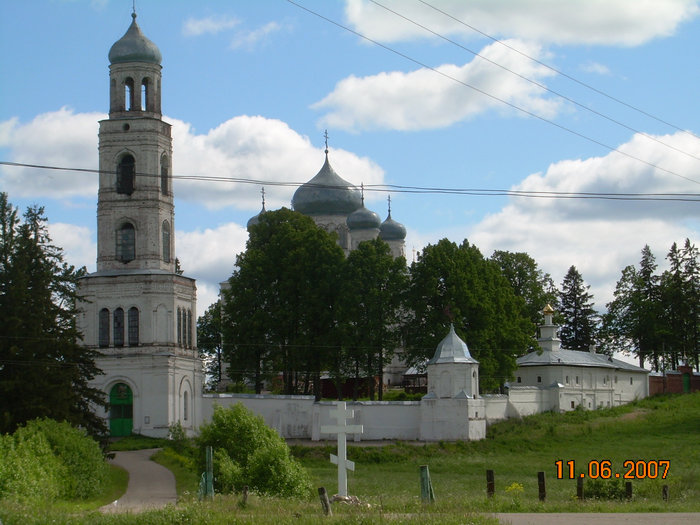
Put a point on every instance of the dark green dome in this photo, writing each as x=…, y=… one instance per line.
x=363, y=219
x=390, y=230
x=134, y=47
x=327, y=194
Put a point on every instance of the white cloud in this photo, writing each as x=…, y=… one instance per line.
x=595, y=67
x=257, y=148
x=244, y=147
x=248, y=39
x=209, y=25
x=60, y=138
x=601, y=22
x=73, y=239
x=209, y=256
x=599, y=237
x=425, y=99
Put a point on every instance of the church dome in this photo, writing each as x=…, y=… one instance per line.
x=327, y=194
x=255, y=219
x=363, y=219
x=134, y=47
x=390, y=230
x=452, y=350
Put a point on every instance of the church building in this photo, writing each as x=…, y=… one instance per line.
x=137, y=310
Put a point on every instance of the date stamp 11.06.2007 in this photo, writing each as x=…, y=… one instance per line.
x=604, y=469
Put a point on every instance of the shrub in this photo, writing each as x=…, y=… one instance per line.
x=604, y=489
x=248, y=452
x=46, y=460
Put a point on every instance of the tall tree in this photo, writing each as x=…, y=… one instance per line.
x=44, y=371
x=279, y=310
x=528, y=281
x=634, y=318
x=210, y=344
x=450, y=283
x=370, y=309
x=578, y=330
x=680, y=291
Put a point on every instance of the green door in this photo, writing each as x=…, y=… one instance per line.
x=686, y=383
x=121, y=410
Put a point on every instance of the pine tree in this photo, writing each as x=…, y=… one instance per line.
x=578, y=330
x=44, y=371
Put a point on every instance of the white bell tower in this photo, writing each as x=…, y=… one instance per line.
x=137, y=311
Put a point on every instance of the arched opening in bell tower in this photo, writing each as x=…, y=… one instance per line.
x=126, y=173
x=126, y=243
x=166, y=242
x=145, y=105
x=129, y=94
x=164, y=165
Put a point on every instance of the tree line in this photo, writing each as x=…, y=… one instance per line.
x=296, y=309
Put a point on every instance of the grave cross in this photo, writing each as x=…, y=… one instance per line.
x=341, y=415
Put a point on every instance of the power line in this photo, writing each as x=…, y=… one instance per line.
x=534, y=82
x=559, y=72
x=397, y=188
x=491, y=96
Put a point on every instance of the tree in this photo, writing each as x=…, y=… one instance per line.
x=451, y=283
x=210, y=343
x=578, y=328
x=279, y=311
x=633, y=322
x=372, y=287
x=44, y=371
x=680, y=296
x=528, y=281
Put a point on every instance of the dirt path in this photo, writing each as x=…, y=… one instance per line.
x=150, y=485
x=670, y=518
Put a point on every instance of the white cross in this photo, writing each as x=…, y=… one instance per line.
x=341, y=414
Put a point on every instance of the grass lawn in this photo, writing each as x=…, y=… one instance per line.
x=386, y=478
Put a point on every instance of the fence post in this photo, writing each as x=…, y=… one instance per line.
x=628, y=490
x=664, y=492
x=426, y=487
x=323, y=495
x=490, y=484
x=540, y=484
x=579, y=488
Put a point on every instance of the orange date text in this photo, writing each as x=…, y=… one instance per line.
x=603, y=469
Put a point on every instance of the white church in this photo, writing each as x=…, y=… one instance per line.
x=140, y=313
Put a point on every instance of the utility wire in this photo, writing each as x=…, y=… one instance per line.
x=534, y=82
x=487, y=94
x=397, y=188
x=559, y=72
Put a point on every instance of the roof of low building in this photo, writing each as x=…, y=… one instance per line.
x=452, y=350
x=563, y=357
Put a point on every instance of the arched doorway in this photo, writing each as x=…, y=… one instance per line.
x=121, y=410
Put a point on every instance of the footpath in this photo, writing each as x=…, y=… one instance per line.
x=150, y=485
x=612, y=518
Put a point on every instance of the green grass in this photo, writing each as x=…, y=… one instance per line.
x=138, y=442
x=387, y=478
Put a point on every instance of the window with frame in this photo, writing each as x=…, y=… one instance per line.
x=133, y=326
x=179, y=326
x=103, y=328
x=118, y=327
x=126, y=243
x=189, y=328
x=166, y=241
x=164, y=175
x=126, y=173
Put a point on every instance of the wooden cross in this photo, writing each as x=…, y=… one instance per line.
x=342, y=429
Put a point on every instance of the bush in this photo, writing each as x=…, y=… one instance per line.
x=247, y=452
x=46, y=460
x=604, y=489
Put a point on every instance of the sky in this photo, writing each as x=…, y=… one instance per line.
x=576, y=96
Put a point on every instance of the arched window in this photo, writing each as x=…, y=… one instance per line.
x=185, y=400
x=189, y=328
x=166, y=241
x=179, y=326
x=133, y=326
x=118, y=327
x=126, y=243
x=144, y=95
x=103, y=328
x=126, y=172
x=164, y=174
x=129, y=94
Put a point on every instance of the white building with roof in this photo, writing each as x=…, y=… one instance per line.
x=568, y=379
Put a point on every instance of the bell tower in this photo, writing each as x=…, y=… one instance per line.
x=137, y=311
x=135, y=212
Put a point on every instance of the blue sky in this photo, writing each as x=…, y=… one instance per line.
x=250, y=88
